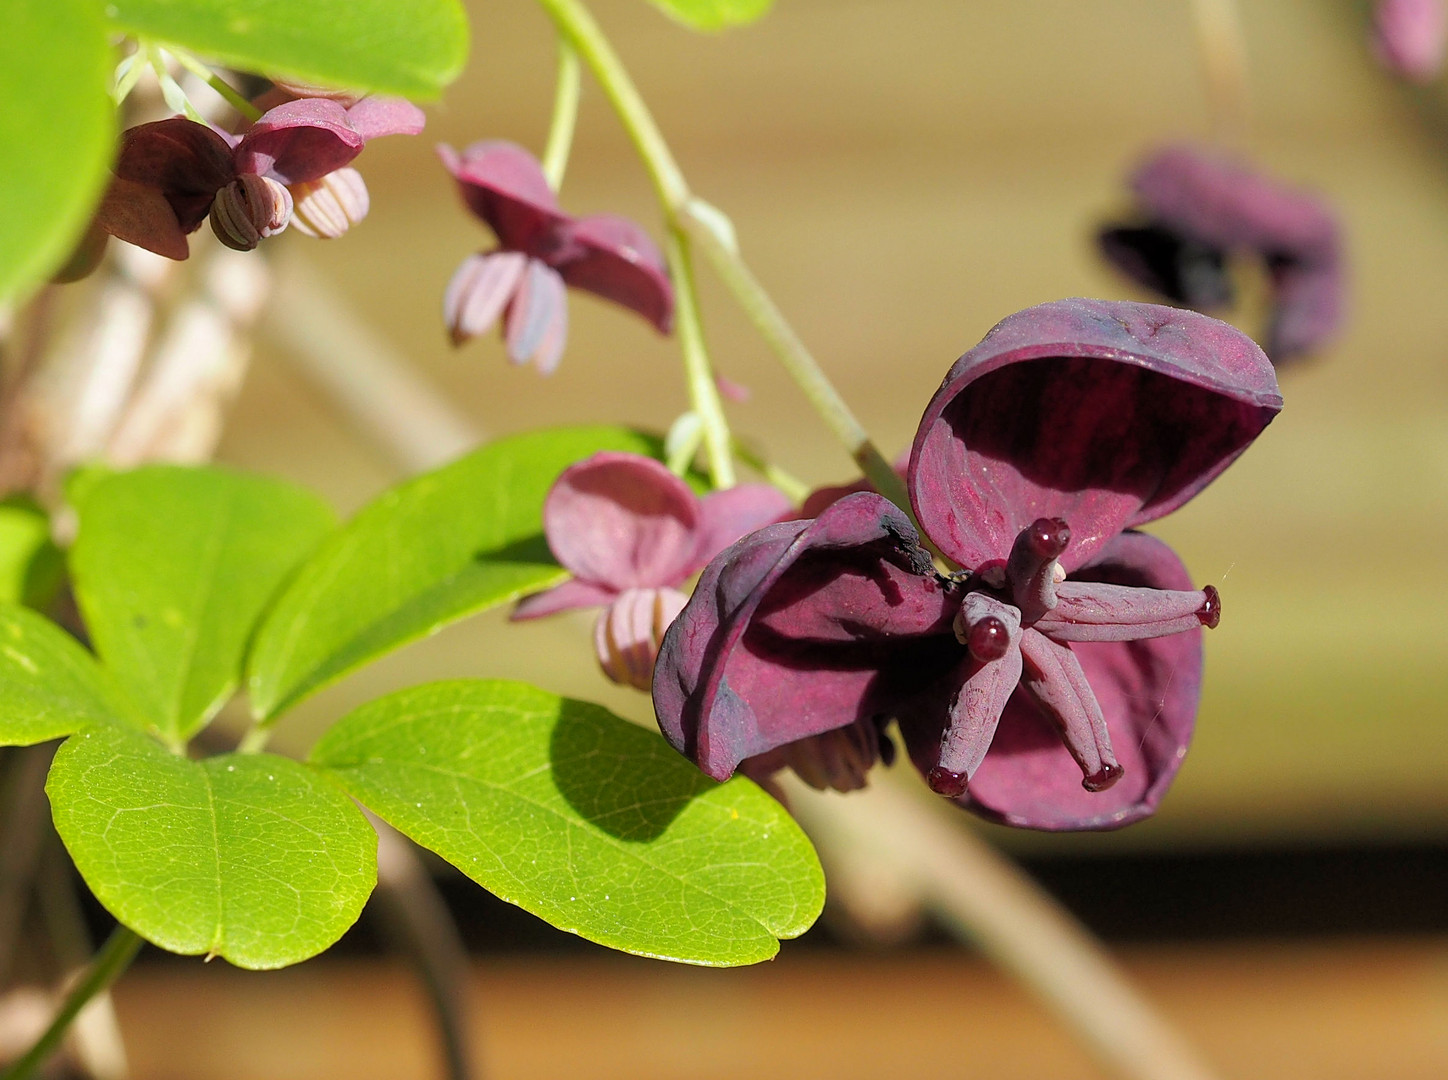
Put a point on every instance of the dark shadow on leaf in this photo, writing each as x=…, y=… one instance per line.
x=621, y=778
x=530, y=549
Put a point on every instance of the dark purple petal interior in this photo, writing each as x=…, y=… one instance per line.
x=615, y=259
x=299, y=142
x=504, y=185
x=1103, y=413
x=186, y=161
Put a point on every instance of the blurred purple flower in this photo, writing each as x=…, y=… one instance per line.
x=172, y=174
x=541, y=249
x=1199, y=210
x=1410, y=37
x=631, y=532
x=1054, y=683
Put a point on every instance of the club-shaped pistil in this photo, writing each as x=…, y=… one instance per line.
x=990, y=629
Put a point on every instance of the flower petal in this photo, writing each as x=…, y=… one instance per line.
x=374, y=117
x=299, y=141
x=1102, y=413
x=504, y=185
x=538, y=304
x=1307, y=308
x=479, y=290
x=569, y=596
x=186, y=161
x=613, y=258
x=791, y=629
x=1148, y=693
x=622, y=521
x=141, y=215
x=725, y=516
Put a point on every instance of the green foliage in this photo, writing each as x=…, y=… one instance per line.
x=414, y=48
x=714, y=14
x=49, y=685
x=57, y=126
x=437, y=548
x=251, y=857
x=173, y=567
x=31, y=566
x=593, y=824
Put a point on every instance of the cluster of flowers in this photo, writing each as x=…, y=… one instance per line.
x=1052, y=682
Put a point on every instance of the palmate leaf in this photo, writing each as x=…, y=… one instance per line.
x=585, y=820
x=413, y=49
x=254, y=858
x=57, y=129
x=439, y=547
x=173, y=567
x=714, y=14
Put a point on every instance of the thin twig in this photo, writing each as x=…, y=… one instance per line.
x=986, y=899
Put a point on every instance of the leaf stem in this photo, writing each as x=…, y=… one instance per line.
x=703, y=391
x=114, y=957
x=256, y=738
x=577, y=25
x=795, y=489
x=215, y=81
x=565, y=115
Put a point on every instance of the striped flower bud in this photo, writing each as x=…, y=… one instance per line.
x=248, y=210
x=327, y=207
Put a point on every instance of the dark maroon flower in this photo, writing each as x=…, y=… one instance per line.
x=1051, y=684
x=172, y=174
x=1410, y=37
x=631, y=532
x=1199, y=210
x=541, y=249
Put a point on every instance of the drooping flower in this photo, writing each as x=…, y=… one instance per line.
x=171, y=175
x=541, y=250
x=1200, y=210
x=631, y=532
x=1053, y=682
x=1410, y=37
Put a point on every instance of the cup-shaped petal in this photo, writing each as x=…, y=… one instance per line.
x=186, y=162
x=1148, y=693
x=374, y=117
x=1102, y=413
x=504, y=185
x=614, y=258
x=142, y=215
x=299, y=141
x=623, y=521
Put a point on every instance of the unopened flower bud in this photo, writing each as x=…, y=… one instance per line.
x=328, y=207
x=627, y=634
x=248, y=210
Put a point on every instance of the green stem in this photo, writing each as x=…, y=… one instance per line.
x=215, y=81
x=703, y=391
x=795, y=489
x=255, y=739
x=577, y=25
x=115, y=956
x=565, y=115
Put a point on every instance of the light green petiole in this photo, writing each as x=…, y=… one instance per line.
x=565, y=115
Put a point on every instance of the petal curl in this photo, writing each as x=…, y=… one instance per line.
x=374, y=117
x=187, y=162
x=569, y=596
x=141, y=215
x=1148, y=692
x=613, y=258
x=622, y=521
x=791, y=630
x=298, y=142
x=1102, y=413
x=504, y=185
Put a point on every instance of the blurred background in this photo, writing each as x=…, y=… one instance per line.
x=902, y=174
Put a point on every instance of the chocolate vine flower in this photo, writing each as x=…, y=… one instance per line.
x=1053, y=683
x=1410, y=37
x=173, y=174
x=1199, y=210
x=631, y=532
x=541, y=249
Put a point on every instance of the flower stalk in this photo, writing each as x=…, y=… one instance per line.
x=703, y=391
x=565, y=115
x=1223, y=49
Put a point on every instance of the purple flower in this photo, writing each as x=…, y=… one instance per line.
x=541, y=249
x=1053, y=683
x=631, y=532
x=173, y=174
x=1199, y=210
x=1410, y=37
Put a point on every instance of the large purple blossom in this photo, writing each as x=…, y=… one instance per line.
x=1053, y=682
x=540, y=250
x=631, y=533
x=1199, y=210
x=171, y=175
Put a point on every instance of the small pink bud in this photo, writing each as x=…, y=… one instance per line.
x=248, y=210
x=328, y=207
x=1411, y=36
x=627, y=634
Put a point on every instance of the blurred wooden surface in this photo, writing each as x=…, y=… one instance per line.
x=1348, y=1011
x=903, y=173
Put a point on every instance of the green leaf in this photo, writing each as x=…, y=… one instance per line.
x=173, y=567
x=248, y=856
x=440, y=547
x=414, y=48
x=713, y=14
x=31, y=566
x=49, y=685
x=585, y=820
x=57, y=130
